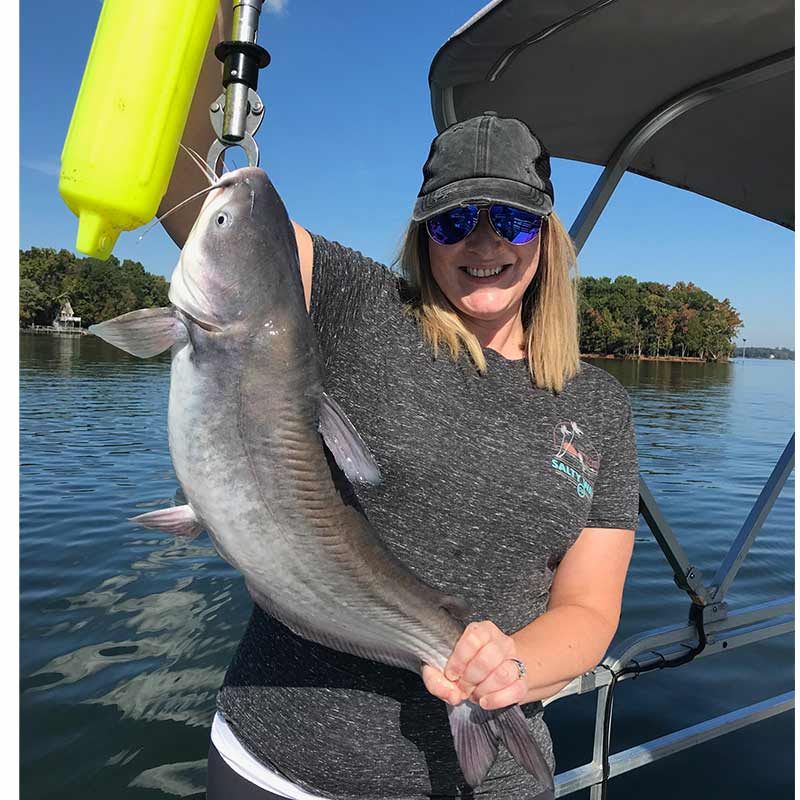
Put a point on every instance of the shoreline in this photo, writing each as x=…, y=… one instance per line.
x=50, y=330
x=690, y=359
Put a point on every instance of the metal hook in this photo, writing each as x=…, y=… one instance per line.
x=248, y=144
x=255, y=116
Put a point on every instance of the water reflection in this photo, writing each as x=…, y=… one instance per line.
x=126, y=634
x=86, y=355
x=180, y=780
x=168, y=634
x=676, y=376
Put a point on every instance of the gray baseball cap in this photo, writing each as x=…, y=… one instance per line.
x=485, y=158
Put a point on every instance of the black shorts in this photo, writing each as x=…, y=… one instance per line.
x=223, y=783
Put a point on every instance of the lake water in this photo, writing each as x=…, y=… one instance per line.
x=126, y=633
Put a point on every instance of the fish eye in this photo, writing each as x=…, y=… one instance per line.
x=223, y=219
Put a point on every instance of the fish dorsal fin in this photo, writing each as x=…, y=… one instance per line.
x=347, y=447
x=143, y=333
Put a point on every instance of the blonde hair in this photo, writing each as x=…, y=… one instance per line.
x=549, y=307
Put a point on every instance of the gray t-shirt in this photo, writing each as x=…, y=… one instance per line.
x=487, y=481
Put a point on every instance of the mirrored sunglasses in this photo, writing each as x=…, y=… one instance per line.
x=513, y=224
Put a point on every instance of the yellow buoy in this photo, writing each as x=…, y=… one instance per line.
x=130, y=114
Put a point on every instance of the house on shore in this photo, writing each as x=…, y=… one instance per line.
x=66, y=319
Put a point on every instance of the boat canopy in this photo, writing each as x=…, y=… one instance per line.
x=698, y=95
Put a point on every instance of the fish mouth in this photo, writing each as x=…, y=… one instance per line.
x=192, y=300
x=249, y=176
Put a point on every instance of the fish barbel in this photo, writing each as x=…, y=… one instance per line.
x=247, y=420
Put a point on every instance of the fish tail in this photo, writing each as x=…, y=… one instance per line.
x=477, y=734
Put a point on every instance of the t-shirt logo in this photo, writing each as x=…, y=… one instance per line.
x=575, y=457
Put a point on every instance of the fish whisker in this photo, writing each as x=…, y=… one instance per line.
x=202, y=165
x=175, y=208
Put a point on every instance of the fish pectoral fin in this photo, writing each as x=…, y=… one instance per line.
x=347, y=447
x=143, y=333
x=179, y=520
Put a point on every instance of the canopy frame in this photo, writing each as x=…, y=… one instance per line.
x=687, y=577
x=626, y=152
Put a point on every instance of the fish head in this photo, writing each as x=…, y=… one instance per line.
x=240, y=258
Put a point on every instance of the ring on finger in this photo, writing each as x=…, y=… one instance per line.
x=521, y=670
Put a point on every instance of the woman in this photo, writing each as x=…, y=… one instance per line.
x=509, y=478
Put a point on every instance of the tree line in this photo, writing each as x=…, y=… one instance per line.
x=622, y=317
x=98, y=290
x=780, y=353
x=627, y=318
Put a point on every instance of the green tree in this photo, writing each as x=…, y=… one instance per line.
x=625, y=317
x=624, y=305
x=98, y=290
x=44, y=267
x=32, y=301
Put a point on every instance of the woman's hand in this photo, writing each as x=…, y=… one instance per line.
x=481, y=668
x=568, y=639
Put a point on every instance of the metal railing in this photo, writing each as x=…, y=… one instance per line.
x=746, y=626
x=722, y=632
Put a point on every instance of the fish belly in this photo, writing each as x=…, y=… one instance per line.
x=309, y=576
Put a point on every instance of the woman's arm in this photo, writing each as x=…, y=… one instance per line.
x=305, y=252
x=198, y=135
x=570, y=638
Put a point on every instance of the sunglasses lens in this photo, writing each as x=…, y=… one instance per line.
x=514, y=224
x=454, y=225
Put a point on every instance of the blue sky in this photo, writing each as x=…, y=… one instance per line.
x=348, y=127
